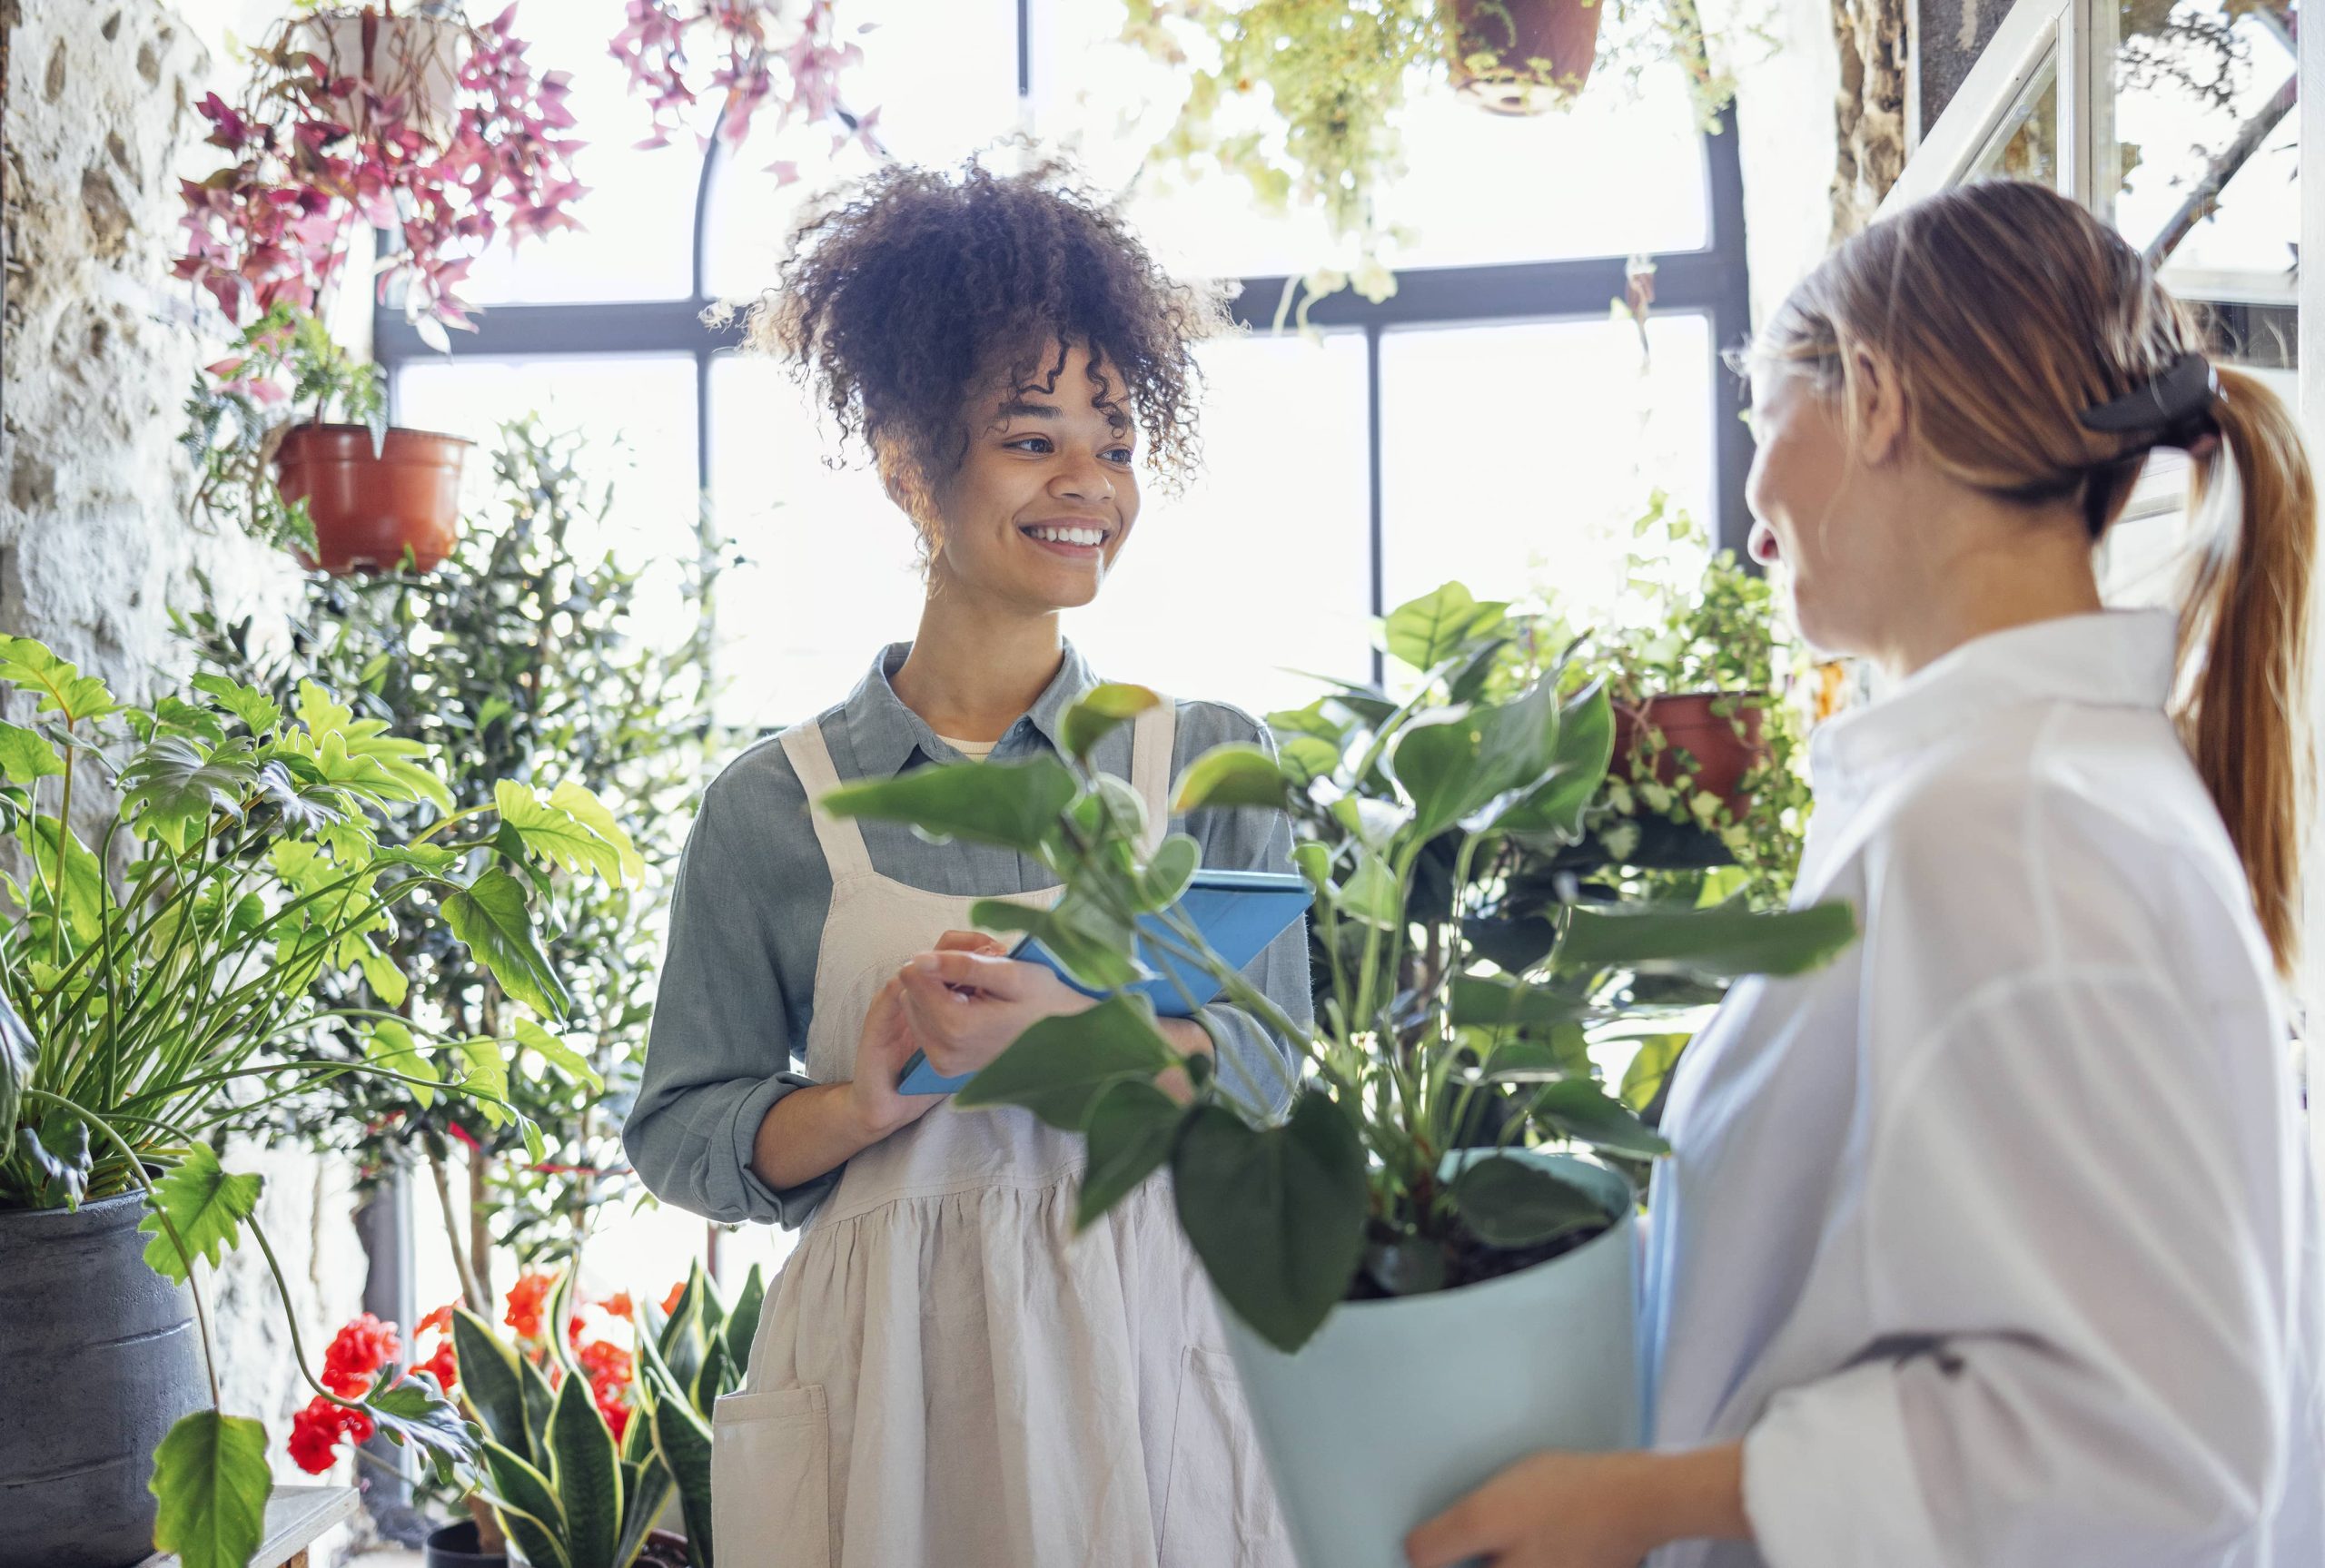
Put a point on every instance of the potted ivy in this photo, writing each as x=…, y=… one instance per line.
x=156, y=991
x=1520, y=56
x=1426, y=1266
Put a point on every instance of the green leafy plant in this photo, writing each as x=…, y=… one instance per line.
x=1335, y=78
x=565, y=1490
x=1368, y=1183
x=158, y=984
x=527, y=653
x=242, y=406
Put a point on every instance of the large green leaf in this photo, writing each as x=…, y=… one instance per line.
x=25, y=756
x=1276, y=1214
x=1095, y=948
x=1706, y=943
x=211, y=1480
x=1059, y=1066
x=17, y=1052
x=742, y=1325
x=61, y=687
x=79, y=882
x=484, y=1073
x=547, y=829
x=252, y=707
x=1460, y=768
x=1513, y=1203
x=532, y=1036
x=205, y=1205
x=586, y=1473
x=1427, y=631
x=173, y=787
x=1133, y=1125
x=1013, y=803
x=491, y=916
x=529, y=1513
x=414, y=1413
x=1100, y=710
x=584, y=807
x=682, y=1442
x=1644, y=1079
x=492, y=1382
x=1173, y=866
x=1553, y=810
x=387, y=1043
x=1232, y=775
x=1589, y=1114
x=1493, y=1001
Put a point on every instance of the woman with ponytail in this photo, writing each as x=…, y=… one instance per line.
x=1993, y=1245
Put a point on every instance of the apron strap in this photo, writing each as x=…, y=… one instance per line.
x=1153, y=736
x=842, y=838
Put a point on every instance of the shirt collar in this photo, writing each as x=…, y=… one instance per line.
x=884, y=733
x=2122, y=658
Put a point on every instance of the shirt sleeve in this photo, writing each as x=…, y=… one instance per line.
x=1253, y=1060
x=719, y=1054
x=2079, y=1364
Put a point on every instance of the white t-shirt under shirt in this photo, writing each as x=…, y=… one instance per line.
x=1995, y=1240
x=975, y=750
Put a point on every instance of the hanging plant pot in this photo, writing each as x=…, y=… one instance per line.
x=99, y=1356
x=370, y=507
x=408, y=64
x=1521, y=56
x=1702, y=725
x=1396, y=1409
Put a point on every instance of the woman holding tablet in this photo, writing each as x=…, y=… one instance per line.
x=1993, y=1245
x=944, y=1372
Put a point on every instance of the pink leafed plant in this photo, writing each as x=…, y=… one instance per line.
x=755, y=50
x=417, y=122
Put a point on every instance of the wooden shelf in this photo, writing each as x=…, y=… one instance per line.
x=296, y=1518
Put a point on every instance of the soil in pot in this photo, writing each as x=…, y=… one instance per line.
x=371, y=507
x=1521, y=56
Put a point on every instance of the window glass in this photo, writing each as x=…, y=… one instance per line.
x=1514, y=455
x=2025, y=145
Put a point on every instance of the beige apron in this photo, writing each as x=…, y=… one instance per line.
x=945, y=1373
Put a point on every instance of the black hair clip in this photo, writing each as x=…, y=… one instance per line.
x=2180, y=397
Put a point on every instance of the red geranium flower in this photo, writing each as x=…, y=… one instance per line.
x=618, y=1305
x=316, y=1431
x=525, y=1299
x=670, y=1302
x=357, y=1352
x=607, y=1365
x=444, y=1365
x=439, y=1320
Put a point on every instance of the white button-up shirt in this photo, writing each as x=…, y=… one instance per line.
x=1995, y=1241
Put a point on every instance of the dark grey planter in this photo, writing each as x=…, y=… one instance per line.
x=454, y=1546
x=99, y=1356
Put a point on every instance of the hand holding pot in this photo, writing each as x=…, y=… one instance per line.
x=1566, y=1510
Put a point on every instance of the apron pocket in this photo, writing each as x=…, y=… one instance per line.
x=770, y=1478
x=1220, y=1510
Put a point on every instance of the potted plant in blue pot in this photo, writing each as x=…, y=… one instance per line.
x=1422, y=1237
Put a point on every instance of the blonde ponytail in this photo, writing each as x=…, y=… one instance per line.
x=2243, y=694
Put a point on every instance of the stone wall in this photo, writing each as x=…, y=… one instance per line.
x=98, y=347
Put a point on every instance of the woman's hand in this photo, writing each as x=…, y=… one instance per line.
x=967, y=1003
x=881, y=1051
x=1561, y=1510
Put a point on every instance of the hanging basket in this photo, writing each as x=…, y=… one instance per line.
x=1520, y=56
x=417, y=59
x=370, y=507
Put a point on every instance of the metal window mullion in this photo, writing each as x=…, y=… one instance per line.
x=1376, y=495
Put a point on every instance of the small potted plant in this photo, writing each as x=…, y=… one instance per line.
x=357, y=495
x=345, y=121
x=1425, y=1269
x=1520, y=56
x=157, y=995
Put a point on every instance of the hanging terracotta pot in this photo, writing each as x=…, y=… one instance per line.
x=1702, y=725
x=1521, y=56
x=368, y=507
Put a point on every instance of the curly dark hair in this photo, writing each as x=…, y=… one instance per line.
x=914, y=287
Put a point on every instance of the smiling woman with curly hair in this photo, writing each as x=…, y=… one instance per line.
x=945, y=1371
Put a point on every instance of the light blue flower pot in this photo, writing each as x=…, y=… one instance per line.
x=1397, y=1409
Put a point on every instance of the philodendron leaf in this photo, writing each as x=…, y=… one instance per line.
x=586, y=1473
x=1131, y=1127
x=61, y=687
x=387, y=1043
x=492, y=1383
x=1276, y=1214
x=171, y=788
x=1460, y=768
x=25, y=756
x=1509, y=1202
x=1061, y=1065
x=1494, y=1002
x=205, y=1205
x=211, y=1480
x=1644, y=1079
x=1169, y=873
x=17, y=1054
x=415, y=1413
x=1706, y=943
x=585, y=807
x=484, y=1073
x=491, y=916
x=1231, y=776
x=549, y=829
x=1553, y=810
x=532, y=1036
x=1589, y=1114
x=248, y=703
x=1100, y=711
x=1013, y=803
x=1427, y=631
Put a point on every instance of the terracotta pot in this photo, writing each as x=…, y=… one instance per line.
x=368, y=507
x=1521, y=56
x=1702, y=725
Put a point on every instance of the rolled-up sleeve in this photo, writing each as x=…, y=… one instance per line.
x=1252, y=1058
x=719, y=1053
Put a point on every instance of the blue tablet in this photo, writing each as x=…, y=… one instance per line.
x=1239, y=912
